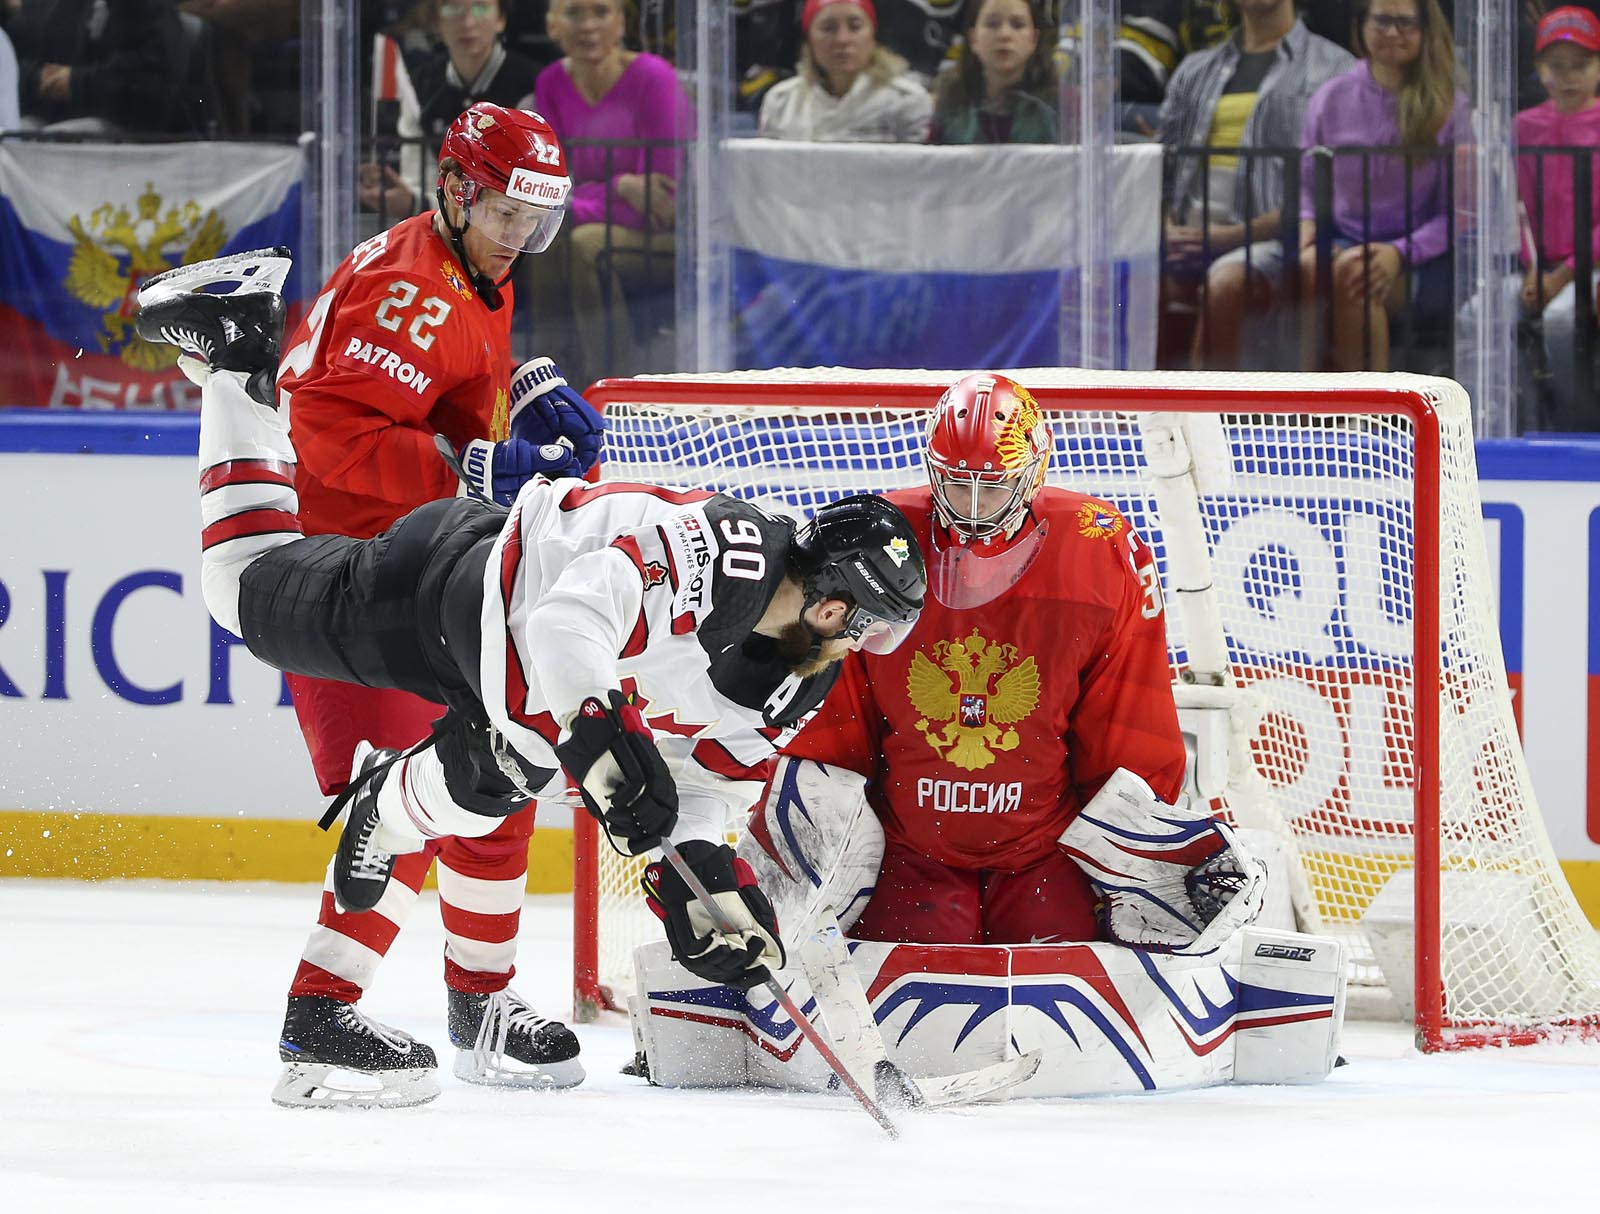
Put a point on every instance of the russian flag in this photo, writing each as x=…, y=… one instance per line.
x=83, y=224
x=898, y=255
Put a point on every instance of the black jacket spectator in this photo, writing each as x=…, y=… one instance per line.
x=442, y=95
x=120, y=61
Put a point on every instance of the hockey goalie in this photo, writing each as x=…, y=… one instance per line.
x=979, y=853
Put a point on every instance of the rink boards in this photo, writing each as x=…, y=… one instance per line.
x=146, y=741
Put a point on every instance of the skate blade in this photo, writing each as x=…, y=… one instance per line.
x=510, y=1073
x=250, y=273
x=314, y=1085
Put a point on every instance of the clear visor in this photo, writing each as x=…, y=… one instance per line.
x=874, y=634
x=518, y=227
x=980, y=505
x=964, y=575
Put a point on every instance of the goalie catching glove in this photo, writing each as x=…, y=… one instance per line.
x=739, y=958
x=1170, y=880
x=611, y=755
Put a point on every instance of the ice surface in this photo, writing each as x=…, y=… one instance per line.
x=139, y=1023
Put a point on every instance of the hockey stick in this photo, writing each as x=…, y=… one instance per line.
x=807, y=1029
x=825, y=961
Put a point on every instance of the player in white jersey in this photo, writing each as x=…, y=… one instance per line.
x=657, y=645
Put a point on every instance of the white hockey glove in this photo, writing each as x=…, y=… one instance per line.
x=1170, y=880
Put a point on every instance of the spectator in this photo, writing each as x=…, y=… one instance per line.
x=847, y=87
x=100, y=67
x=1390, y=213
x=1004, y=88
x=10, y=111
x=1146, y=49
x=623, y=118
x=1530, y=90
x=766, y=43
x=1205, y=24
x=1332, y=19
x=926, y=33
x=244, y=37
x=1224, y=213
x=471, y=64
x=1567, y=52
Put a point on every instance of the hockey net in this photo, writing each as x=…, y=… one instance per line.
x=1324, y=565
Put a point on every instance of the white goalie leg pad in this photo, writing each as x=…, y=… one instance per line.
x=814, y=844
x=248, y=504
x=1293, y=1044
x=696, y=1034
x=414, y=804
x=1266, y=1007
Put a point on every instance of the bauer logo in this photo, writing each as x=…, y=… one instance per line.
x=1285, y=952
x=540, y=188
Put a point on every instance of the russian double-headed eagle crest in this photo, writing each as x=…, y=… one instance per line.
x=117, y=249
x=455, y=279
x=967, y=693
x=1098, y=521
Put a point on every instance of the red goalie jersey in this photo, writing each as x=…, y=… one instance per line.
x=988, y=729
x=397, y=348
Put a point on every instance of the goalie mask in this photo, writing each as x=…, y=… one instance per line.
x=986, y=453
x=861, y=549
x=513, y=182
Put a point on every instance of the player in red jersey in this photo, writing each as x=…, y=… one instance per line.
x=1036, y=673
x=1010, y=775
x=410, y=339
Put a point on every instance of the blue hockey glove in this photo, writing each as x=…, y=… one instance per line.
x=499, y=470
x=545, y=410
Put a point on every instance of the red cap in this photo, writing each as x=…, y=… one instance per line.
x=813, y=7
x=1569, y=24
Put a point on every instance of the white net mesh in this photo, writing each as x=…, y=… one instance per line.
x=1306, y=523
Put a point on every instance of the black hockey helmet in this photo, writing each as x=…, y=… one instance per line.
x=862, y=549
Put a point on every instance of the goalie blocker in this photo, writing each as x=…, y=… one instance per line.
x=1256, y=1006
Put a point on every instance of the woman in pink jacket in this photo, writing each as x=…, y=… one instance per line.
x=622, y=117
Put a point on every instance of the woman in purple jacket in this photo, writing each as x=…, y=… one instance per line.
x=603, y=100
x=1391, y=213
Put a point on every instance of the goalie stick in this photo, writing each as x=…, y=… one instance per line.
x=825, y=959
x=807, y=1029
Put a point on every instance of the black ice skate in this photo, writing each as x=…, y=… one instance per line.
x=361, y=868
x=337, y=1058
x=502, y=1042
x=227, y=312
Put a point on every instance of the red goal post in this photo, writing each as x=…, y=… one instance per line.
x=1331, y=633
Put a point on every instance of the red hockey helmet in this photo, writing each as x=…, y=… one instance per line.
x=514, y=154
x=987, y=450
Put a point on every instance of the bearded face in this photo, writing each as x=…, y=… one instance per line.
x=793, y=647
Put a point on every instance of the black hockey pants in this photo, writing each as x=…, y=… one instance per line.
x=399, y=610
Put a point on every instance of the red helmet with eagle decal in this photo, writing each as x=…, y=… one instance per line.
x=987, y=450
x=516, y=155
